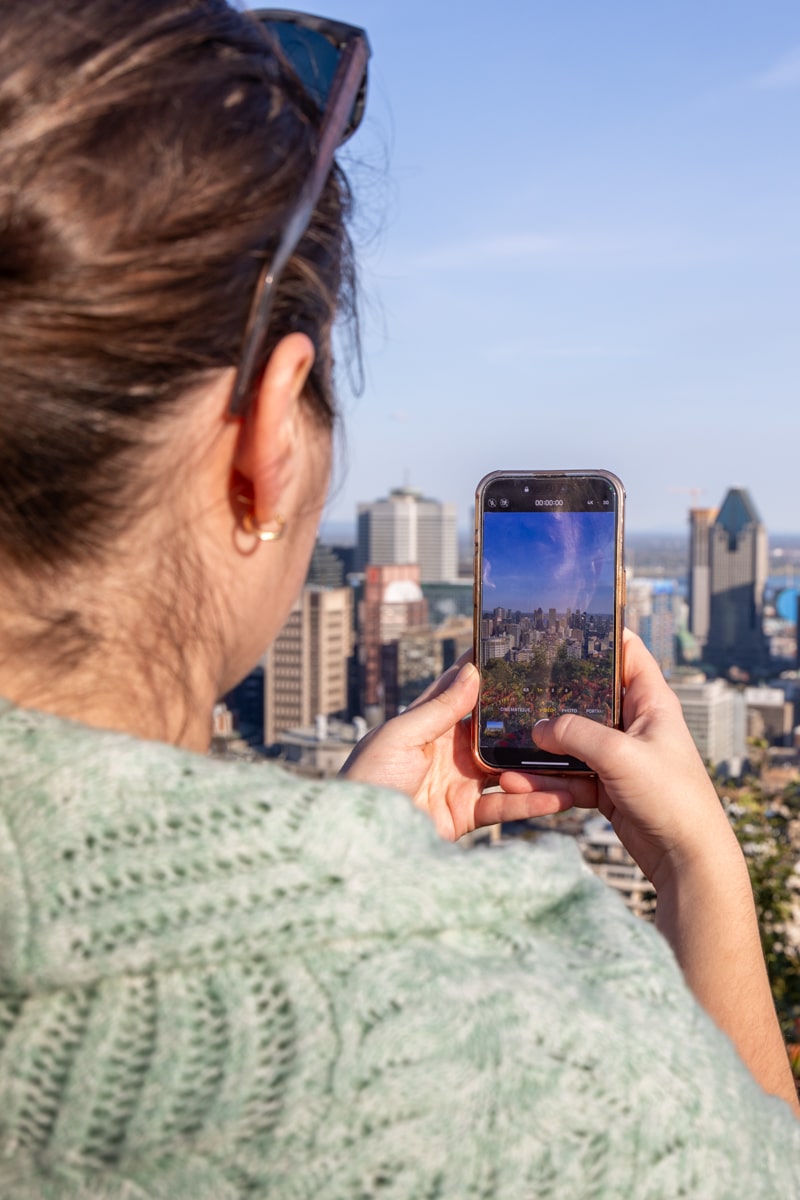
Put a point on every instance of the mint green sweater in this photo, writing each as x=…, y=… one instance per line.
x=218, y=982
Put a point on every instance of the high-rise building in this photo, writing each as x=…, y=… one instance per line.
x=305, y=669
x=728, y=572
x=716, y=716
x=406, y=527
x=650, y=611
x=391, y=603
x=739, y=555
x=700, y=522
x=326, y=568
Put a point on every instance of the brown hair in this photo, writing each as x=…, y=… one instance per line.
x=149, y=152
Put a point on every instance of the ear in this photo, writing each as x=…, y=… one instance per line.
x=269, y=435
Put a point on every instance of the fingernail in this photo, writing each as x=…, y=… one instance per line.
x=541, y=721
x=466, y=671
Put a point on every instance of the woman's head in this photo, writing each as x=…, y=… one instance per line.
x=149, y=153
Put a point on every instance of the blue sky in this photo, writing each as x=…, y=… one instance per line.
x=549, y=560
x=579, y=227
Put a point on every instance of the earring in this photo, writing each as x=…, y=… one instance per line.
x=265, y=531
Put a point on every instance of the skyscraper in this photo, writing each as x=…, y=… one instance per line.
x=716, y=716
x=658, y=630
x=728, y=572
x=700, y=522
x=406, y=527
x=326, y=568
x=305, y=671
x=392, y=603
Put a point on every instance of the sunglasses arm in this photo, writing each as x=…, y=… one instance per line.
x=349, y=73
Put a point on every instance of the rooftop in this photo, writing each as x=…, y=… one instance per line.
x=737, y=512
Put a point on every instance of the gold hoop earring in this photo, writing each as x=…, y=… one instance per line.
x=265, y=531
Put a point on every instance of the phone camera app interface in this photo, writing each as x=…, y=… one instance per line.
x=547, y=612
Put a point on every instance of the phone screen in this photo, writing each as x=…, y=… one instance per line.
x=548, y=609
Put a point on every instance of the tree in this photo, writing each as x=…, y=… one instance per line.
x=764, y=825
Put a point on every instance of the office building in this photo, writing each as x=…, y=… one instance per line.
x=405, y=527
x=716, y=716
x=498, y=646
x=651, y=611
x=658, y=630
x=769, y=715
x=305, y=670
x=700, y=522
x=326, y=568
x=390, y=605
x=728, y=573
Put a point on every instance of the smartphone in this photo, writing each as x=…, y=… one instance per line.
x=549, y=598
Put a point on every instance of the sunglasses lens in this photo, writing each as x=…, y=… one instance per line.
x=314, y=60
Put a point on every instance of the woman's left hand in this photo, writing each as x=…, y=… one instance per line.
x=425, y=752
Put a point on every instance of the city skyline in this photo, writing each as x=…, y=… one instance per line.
x=588, y=259
x=344, y=530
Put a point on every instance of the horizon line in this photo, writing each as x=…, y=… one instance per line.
x=466, y=531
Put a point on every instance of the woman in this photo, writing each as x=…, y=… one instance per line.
x=220, y=981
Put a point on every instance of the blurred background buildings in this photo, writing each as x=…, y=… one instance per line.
x=385, y=612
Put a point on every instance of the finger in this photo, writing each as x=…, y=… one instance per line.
x=495, y=807
x=600, y=747
x=581, y=789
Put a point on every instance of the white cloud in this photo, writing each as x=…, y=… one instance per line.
x=598, y=250
x=782, y=75
x=508, y=248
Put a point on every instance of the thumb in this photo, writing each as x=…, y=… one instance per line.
x=595, y=744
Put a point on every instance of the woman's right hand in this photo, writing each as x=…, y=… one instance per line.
x=653, y=787
x=651, y=782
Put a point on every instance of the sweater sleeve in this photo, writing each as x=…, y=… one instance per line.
x=223, y=981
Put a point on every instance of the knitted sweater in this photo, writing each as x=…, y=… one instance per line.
x=218, y=982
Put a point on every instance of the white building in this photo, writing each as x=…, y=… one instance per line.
x=717, y=718
x=406, y=527
x=769, y=714
x=495, y=647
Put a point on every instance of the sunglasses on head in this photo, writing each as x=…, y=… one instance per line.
x=330, y=60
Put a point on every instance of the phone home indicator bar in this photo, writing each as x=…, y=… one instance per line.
x=550, y=763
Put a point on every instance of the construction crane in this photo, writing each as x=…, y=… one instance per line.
x=694, y=492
